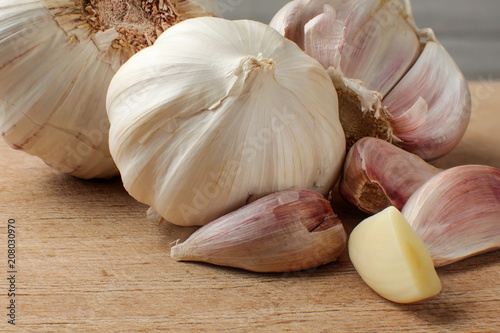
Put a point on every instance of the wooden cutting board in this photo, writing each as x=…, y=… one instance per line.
x=88, y=259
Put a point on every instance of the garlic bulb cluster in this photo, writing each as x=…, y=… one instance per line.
x=57, y=58
x=285, y=231
x=395, y=81
x=218, y=113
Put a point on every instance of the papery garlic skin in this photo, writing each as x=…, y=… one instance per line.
x=392, y=78
x=457, y=213
x=391, y=259
x=56, y=61
x=436, y=105
x=378, y=174
x=219, y=113
x=285, y=231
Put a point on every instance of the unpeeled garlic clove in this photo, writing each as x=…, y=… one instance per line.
x=457, y=213
x=378, y=174
x=391, y=259
x=431, y=105
x=370, y=40
x=285, y=231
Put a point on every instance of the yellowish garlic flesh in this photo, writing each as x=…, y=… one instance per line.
x=285, y=231
x=57, y=58
x=219, y=113
x=457, y=213
x=391, y=259
x=395, y=81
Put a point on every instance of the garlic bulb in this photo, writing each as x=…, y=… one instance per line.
x=57, y=58
x=395, y=81
x=219, y=113
x=457, y=213
x=285, y=231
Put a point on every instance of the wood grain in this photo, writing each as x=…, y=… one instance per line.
x=90, y=260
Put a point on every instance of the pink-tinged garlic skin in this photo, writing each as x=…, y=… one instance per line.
x=285, y=231
x=457, y=213
x=431, y=105
x=378, y=174
x=370, y=40
x=395, y=81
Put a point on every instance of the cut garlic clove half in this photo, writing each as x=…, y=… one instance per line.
x=56, y=61
x=219, y=113
x=457, y=213
x=378, y=174
x=391, y=259
x=285, y=231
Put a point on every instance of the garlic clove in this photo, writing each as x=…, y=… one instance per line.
x=378, y=174
x=57, y=59
x=200, y=131
x=376, y=42
x=391, y=259
x=380, y=46
x=325, y=47
x=457, y=212
x=285, y=231
x=431, y=104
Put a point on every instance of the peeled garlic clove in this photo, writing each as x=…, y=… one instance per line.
x=285, y=231
x=378, y=174
x=391, y=259
x=219, y=113
x=56, y=61
x=457, y=213
x=378, y=44
x=431, y=105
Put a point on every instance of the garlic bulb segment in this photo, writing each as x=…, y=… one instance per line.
x=457, y=213
x=378, y=174
x=57, y=58
x=391, y=259
x=368, y=47
x=285, y=231
x=431, y=105
x=219, y=113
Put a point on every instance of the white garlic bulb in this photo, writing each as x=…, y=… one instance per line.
x=219, y=113
x=57, y=58
x=395, y=81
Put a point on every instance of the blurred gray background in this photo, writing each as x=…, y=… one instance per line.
x=469, y=29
